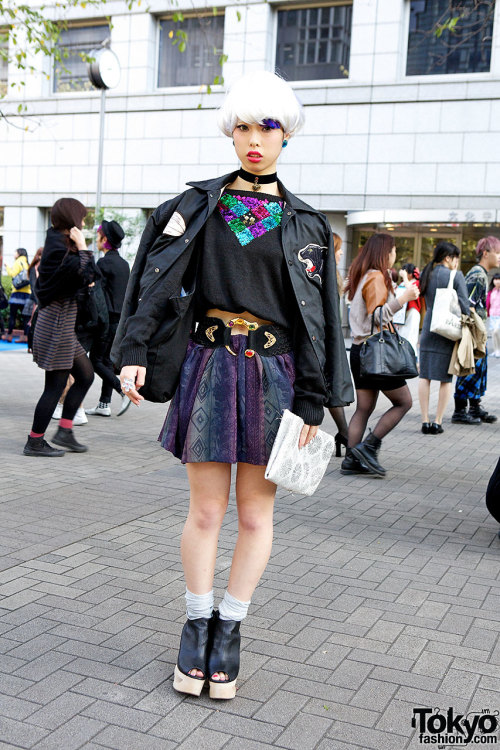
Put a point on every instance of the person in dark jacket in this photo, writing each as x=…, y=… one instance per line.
x=493, y=494
x=114, y=275
x=65, y=267
x=232, y=311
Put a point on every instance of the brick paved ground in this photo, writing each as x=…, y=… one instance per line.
x=381, y=595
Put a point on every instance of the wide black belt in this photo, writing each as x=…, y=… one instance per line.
x=265, y=340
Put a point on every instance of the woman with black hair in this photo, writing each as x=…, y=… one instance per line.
x=65, y=267
x=436, y=350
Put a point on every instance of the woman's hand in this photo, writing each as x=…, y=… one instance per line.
x=403, y=274
x=411, y=292
x=132, y=378
x=77, y=236
x=307, y=433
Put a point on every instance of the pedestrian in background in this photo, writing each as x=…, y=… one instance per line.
x=66, y=266
x=411, y=326
x=18, y=297
x=369, y=286
x=114, y=275
x=472, y=388
x=493, y=309
x=33, y=275
x=436, y=350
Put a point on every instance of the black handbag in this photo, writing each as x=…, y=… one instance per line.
x=21, y=279
x=387, y=353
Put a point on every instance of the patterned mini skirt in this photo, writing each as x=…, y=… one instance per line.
x=228, y=408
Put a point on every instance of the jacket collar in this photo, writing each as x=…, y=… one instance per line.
x=218, y=183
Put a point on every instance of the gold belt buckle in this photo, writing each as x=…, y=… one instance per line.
x=249, y=325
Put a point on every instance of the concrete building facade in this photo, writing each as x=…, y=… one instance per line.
x=416, y=155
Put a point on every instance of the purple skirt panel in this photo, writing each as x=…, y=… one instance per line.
x=227, y=408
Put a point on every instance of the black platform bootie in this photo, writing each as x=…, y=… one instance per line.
x=351, y=465
x=224, y=657
x=193, y=654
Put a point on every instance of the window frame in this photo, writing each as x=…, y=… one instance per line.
x=444, y=77
x=82, y=23
x=187, y=89
x=301, y=5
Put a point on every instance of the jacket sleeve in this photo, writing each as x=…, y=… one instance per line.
x=138, y=317
x=337, y=373
x=460, y=286
x=310, y=396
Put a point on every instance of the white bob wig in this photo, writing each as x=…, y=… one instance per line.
x=259, y=96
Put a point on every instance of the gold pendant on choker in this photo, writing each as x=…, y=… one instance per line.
x=256, y=185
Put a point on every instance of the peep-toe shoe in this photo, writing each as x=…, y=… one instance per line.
x=193, y=654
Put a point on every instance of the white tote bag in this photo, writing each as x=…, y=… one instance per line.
x=446, y=314
x=297, y=470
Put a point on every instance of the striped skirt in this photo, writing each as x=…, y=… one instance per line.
x=227, y=408
x=55, y=346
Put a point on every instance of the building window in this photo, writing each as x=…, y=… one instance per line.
x=434, y=48
x=314, y=43
x=199, y=63
x=70, y=74
x=4, y=62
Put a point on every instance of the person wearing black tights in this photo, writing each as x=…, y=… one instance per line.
x=370, y=287
x=65, y=267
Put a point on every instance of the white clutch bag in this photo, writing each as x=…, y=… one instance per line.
x=297, y=470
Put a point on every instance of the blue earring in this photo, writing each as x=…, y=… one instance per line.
x=284, y=144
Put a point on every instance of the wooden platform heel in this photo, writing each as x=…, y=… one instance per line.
x=224, y=656
x=193, y=654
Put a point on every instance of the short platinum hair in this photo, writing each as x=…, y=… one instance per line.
x=258, y=96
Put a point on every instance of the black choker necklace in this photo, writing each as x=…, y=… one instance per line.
x=257, y=180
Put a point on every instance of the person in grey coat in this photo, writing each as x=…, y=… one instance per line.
x=436, y=350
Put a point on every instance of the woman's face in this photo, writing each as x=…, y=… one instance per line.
x=452, y=262
x=339, y=255
x=496, y=283
x=257, y=146
x=392, y=257
x=16, y=255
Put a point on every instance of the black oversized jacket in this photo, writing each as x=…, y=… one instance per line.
x=115, y=274
x=61, y=273
x=156, y=320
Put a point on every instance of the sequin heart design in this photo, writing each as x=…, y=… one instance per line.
x=248, y=217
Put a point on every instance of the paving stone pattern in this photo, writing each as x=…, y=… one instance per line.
x=380, y=596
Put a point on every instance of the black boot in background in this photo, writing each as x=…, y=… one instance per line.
x=65, y=438
x=367, y=454
x=477, y=412
x=460, y=415
x=351, y=465
x=37, y=446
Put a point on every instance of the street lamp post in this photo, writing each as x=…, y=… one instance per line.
x=104, y=73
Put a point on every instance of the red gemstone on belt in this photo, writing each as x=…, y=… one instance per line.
x=249, y=352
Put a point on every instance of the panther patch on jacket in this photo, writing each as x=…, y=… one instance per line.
x=312, y=256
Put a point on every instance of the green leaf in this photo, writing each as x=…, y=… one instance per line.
x=182, y=46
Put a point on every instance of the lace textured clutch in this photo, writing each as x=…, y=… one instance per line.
x=296, y=470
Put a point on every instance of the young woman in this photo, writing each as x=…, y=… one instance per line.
x=254, y=267
x=337, y=412
x=409, y=330
x=493, y=309
x=436, y=350
x=18, y=297
x=66, y=266
x=370, y=286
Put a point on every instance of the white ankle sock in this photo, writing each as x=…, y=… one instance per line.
x=199, y=605
x=232, y=608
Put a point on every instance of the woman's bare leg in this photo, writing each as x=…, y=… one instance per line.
x=255, y=503
x=209, y=485
x=445, y=391
x=424, y=392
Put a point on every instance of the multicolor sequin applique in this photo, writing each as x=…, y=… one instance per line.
x=249, y=217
